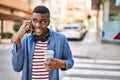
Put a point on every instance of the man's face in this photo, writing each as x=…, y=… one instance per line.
x=40, y=23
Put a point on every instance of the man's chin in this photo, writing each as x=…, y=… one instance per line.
x=38, y=34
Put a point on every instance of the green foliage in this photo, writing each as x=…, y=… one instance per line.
x=16, y=26
x=6, y=35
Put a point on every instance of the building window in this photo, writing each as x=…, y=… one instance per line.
x=117, y=2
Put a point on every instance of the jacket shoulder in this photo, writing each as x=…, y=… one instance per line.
x=27, y=36
x=59, y=35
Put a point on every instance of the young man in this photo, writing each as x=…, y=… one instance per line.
x=28, y=49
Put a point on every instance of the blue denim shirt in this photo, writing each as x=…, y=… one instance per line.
x=22, y=58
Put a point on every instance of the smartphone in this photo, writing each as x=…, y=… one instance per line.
x=31, y=27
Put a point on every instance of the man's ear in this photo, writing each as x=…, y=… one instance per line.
x=48, y=21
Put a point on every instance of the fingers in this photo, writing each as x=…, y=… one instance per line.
x=26, y=23
x=48, y=65
x=27, y=26
x=48, y=62
x=48, y=59
x=28, y=29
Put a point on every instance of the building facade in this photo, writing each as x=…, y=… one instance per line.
x=111, y=21
x=12, y=11
x=62, y=12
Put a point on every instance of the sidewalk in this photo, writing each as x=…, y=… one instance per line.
x=95, y=49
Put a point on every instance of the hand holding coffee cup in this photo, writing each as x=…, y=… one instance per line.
x=52, y=63
x=49, y=55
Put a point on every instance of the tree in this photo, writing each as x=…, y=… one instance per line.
x=16, y=26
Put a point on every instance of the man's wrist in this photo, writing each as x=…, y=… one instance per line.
x=17, y=41
x=62, y=64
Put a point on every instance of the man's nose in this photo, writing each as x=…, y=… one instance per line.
x=38, y=24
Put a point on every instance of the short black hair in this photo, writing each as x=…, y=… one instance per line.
x=41, y=10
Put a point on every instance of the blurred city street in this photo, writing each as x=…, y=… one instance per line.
x=93, y=60
x=96, y=55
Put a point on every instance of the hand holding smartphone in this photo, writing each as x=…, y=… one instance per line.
x=30, y=27
x=26, y=27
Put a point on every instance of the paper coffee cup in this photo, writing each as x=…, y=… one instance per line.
x=49, y=53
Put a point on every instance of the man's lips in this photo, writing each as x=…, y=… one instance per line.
x=38, y=31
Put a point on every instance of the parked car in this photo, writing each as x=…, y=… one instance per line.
x=74, y=31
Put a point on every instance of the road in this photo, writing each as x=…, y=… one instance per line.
x=93, y=60
x=6, y=71
x=90, y=69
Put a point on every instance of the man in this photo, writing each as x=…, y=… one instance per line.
x=28, y=49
